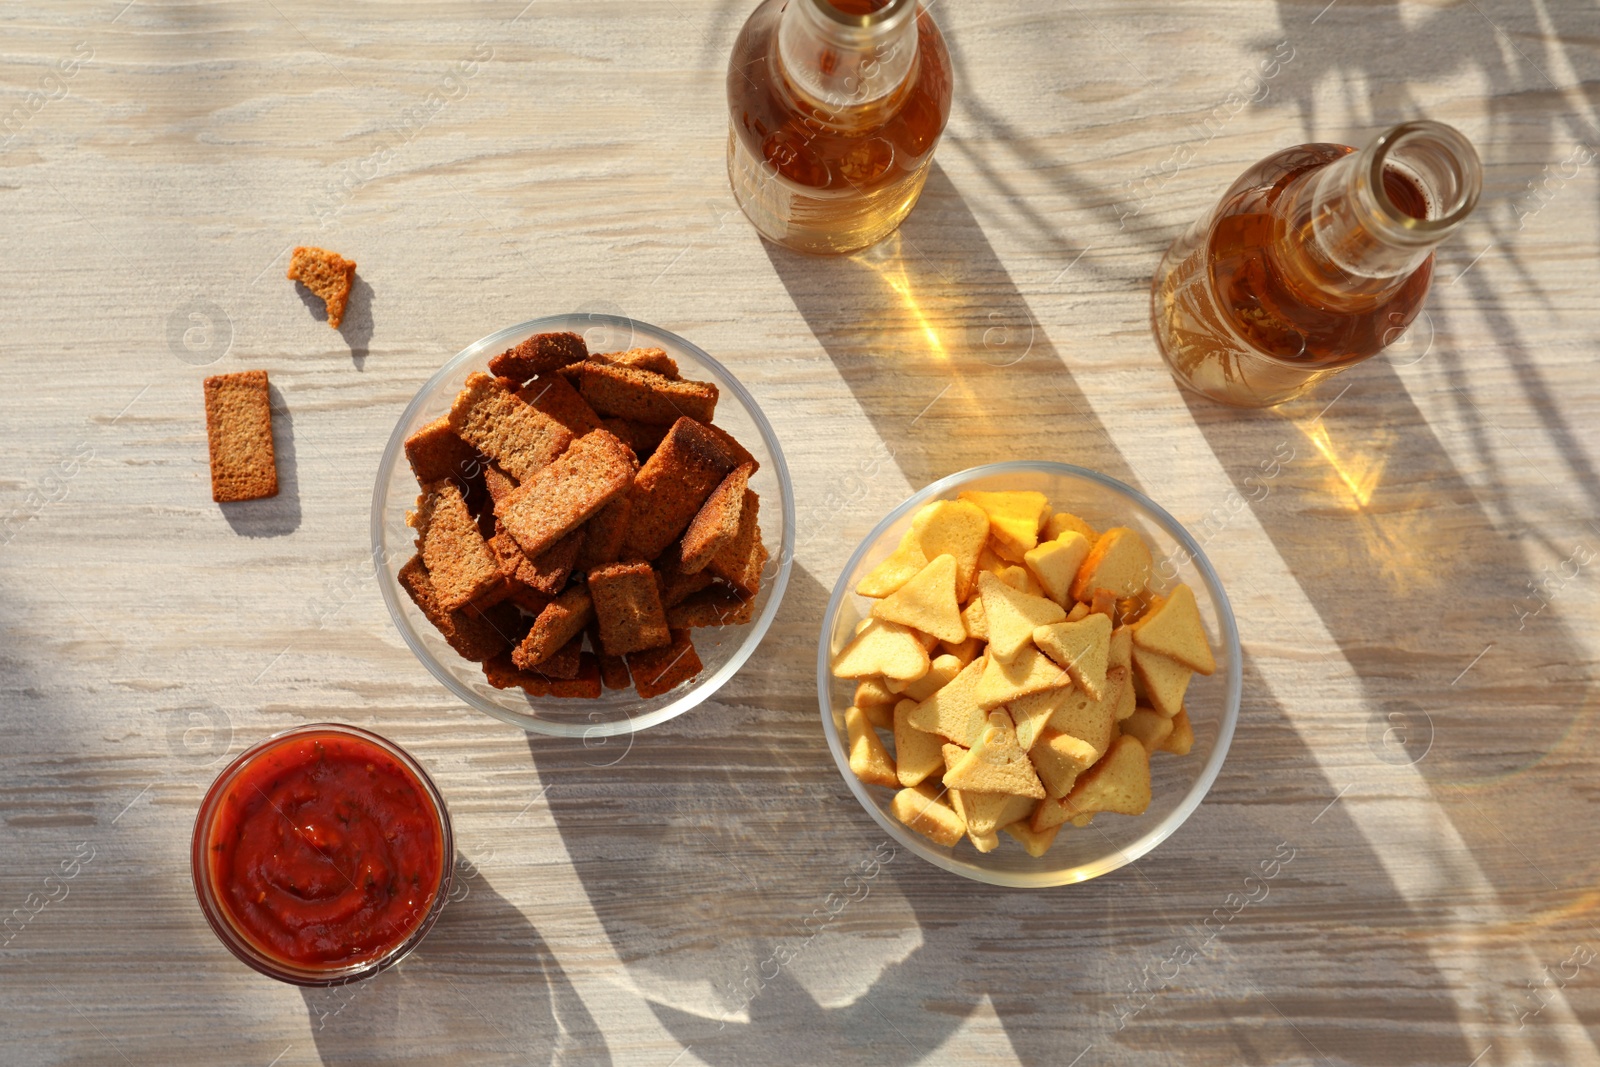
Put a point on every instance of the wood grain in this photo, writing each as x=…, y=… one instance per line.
x=1417, y=728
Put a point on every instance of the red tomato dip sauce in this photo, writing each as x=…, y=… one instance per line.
x=324, y=848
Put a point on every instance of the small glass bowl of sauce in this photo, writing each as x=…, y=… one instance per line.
x=323, y=855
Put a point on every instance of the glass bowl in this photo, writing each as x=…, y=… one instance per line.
x=211, y=895
x=722, y=649
x=1177, y=782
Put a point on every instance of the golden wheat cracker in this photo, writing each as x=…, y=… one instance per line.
x=1150, y=726
x=633, y=393
x=883, y=648
x=1082, y=647
x=717, y=522
x=562, y=619
x=916, y=752
x=643, y=437
x=1034, y=843
x=1030, y=671
x=327, y=274
x=1159, y=680
x=953, y=712
x=996, y=764
x=1173, y=628
x=1031, y=713
x=514, y=434
x=552, y=395
x=1011, y=616
x=869, y=760
x=741, y=560
x=927, y=602
x=966, y=651
x=1061, y=522
x=1087, y=719
x=1015, y=517
x=873, y=691
x=671, y=487
x=539, y=354
x=627, y=604
x=239, y=437
x=924, y=809
x=1059, y=758
x=660, y=670
x=977, y=624
x=1181, y=739
x=435, y=452
x=1055, y=564
x=895, y=570
x=941, y=672
x=459, y=561
x=557, y=499
x=1119, y=561
x=713, y=606
x=474, y=635
x=1119, y=782
x=1119, y=653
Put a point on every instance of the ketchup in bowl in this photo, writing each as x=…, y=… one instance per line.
x=322, y=855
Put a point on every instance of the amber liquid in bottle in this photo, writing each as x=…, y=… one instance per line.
x=1252, y=306
x=836, y=171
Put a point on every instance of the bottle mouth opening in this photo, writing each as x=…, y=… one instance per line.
x=877, y=13
x=1442, y=166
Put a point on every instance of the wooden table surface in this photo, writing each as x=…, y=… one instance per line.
x=1415, y=582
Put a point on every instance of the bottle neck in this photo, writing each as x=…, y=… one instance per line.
x=846, y=62
x=1376, y=215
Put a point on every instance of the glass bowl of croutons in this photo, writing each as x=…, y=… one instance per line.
x=1029, y=674
x=583, y=525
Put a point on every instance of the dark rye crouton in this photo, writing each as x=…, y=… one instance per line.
x=547, y=572
x=458, y=559
x=521, y=439
x=499, y=484
x=650, y=359
x=555, y=501
x=552, y=395
x=474, y=635
x=505, y=549
x=642, y=437
x=630, y=393
x=327, y=274
x=502, y=673
x=435, y=452
x=660, y=670
x=741, y=560
x=627, y=605
x=711, y=607
x=671, y=486
x=539, y=354
x=674, y=583
x=603, y=534
x=613, y=669
x=562, y=619
x=563, y=664
x=717, y=522
x=239, y=436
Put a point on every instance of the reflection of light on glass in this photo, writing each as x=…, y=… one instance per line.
x=1358, y=474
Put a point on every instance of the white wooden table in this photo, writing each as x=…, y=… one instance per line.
x=1418, y=724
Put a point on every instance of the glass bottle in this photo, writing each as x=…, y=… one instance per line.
x=1318, y=257
x=835, y=107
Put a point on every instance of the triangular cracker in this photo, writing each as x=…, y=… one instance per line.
x=1012, y=616
x=923, y=808
x=1162, y=681
x=1173, y=628
x=1085, y=718
x=1032, y=712
x=868, y=758
x=1120, y=561
x=884, y=648
x=996, y=764
x=1055, y=564
x=1034, y=844
x=899, y=568
x=1120, y=782
x=1014, y=517
x=957, y=528
x=916, y=754
x=940, y=672
x=1060, y=758
x=1030, y=672
x=1081, y=647
x=1150, y=726
x=953, y=711
x=927, y=602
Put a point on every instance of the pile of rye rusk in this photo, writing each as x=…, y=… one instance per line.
x=571, y=497
x=1024, y=669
